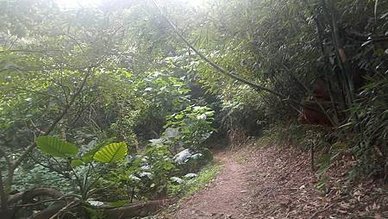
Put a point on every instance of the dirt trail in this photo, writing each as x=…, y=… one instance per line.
x=253, y=183
x=274, y=182
x=226, y=197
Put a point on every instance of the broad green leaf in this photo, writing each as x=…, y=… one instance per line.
x=111, y=153
x=88, y=156
x=56, y=147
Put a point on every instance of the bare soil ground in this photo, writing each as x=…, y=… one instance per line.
x=274, y=182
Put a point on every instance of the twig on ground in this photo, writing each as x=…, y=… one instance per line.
x=320, y=211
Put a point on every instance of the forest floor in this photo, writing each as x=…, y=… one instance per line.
x=277, y=182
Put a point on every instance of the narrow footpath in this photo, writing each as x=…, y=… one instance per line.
x=226, y=196
x=277, y=182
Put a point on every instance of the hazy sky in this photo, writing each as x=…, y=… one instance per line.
x=93, y=3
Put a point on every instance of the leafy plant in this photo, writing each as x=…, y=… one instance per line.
x=143, y=175
x=191, y=185
x=111, y=153
x=56, y=147
x=193, y=126
x=79, y=169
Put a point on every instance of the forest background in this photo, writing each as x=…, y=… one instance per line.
x=119, y=102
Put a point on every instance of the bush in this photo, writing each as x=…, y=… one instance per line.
x=191, y=127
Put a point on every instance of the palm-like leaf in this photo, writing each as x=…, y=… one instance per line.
x=111, y=153
x=56, y=147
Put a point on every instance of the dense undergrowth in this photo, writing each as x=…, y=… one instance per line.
x=115, y=104
x=189, y=187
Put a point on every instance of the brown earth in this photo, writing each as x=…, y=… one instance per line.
x=225, y=197
x=275, y=182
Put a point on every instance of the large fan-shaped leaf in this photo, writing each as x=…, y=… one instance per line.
x=88, y=155
x=111, y=153
x=56, y=147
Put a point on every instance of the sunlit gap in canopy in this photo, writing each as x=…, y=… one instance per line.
x=74, y=4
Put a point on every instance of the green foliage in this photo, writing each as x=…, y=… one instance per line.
x=143, y=176
x=87, y=76
x=193, y=126
x=162, y=94
x=291, y=133
x=286, y=46
x=196, y=162
x=83, y=174
x=370, y=143
x=56, y=147
x=111, y=153
x=39, y=176
x=190, y=186
x=117, y=73
x=161, y=167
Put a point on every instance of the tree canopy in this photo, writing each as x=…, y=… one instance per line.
x=114, y=102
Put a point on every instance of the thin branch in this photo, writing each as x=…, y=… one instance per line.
x=221, y=69
x=56, y=121
x=65, y=89
x=76, y=42
x=14, y=164
x=68, y=206
x=320, y=211
x=35, y=127
x=50, y=166
x=80, y=112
